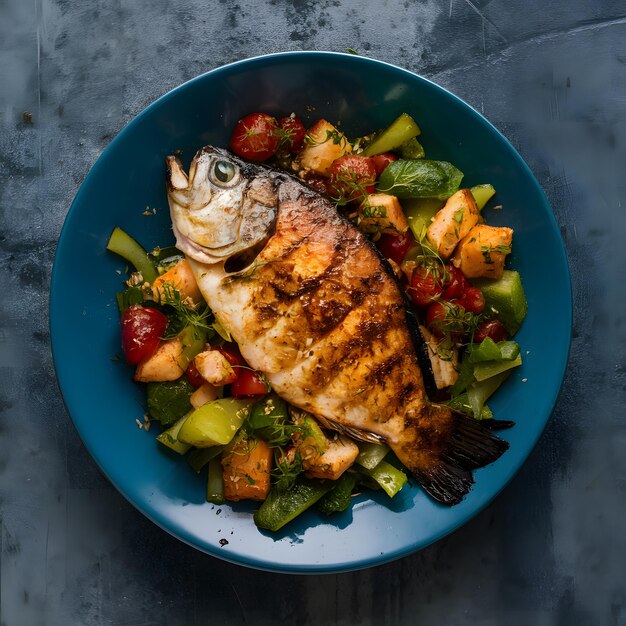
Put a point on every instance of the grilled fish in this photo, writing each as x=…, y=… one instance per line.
x=314, y=306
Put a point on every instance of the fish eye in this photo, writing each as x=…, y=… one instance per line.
x=223, y=172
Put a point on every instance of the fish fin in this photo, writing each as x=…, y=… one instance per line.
x=355, y=433
x=446, y=474
x=444, y=482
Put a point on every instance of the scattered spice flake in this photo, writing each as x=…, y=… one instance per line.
x=498, y=207
x=524, y=380
x=146, y=421
x=139, y=424
x=223, y=542
x=27, y=117
x=351, y=51
x=147, y=211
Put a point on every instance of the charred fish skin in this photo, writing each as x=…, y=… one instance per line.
x=319, y=313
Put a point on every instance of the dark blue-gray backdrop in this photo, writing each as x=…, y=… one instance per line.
x=551, y=74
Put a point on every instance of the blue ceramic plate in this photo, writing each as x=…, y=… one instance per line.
x=363, y=95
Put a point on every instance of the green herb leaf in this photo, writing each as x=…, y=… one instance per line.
x=406, y=178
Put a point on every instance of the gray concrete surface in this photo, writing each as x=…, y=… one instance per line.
x=551, y=74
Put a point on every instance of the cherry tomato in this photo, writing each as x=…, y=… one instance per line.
x=142, y=329
x=351, y=177
x=395, y=247
x=472, y=300
x=381, y=161
x=193, y=375
x=491, y=328
x=435, y=315
x=248, y=385
x=232, y=354
x=293, y=132
x=455, y=284
x=254, y=137
x=425, y=285
x=319, y=183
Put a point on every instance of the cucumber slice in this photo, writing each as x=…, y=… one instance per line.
x=401, y=130
x=215, y=423
x=420, y=212
x=485, y=370
x=507, y=299
x=169, y=437
x=371, y=454
x=482, y=194
x=123, y=244
x=412, y=149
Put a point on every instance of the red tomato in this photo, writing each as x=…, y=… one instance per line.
x=472, y=300
x=455, y=284
x=232, y=354
x=293, y=132
x=193, y=375
x=492, y=328
x=381, y=161
x=248, y=385
x=320, y=184
x=142, y=329
x=254, y=137
x=425, y=285
x=395, y=247
x=435, y=315
x=351, y=177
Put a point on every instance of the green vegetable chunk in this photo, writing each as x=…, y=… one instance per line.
x=390, y=478
x=194, y=339
x=169, y=437
x=412, y=149
x=480, y=392
x=506, y=298
x=461, y=403
x=487, y=369
x=339, y=497
x=123, y=244
x=215, y=423
x=268, y=420
x=400, y=131
x=489, y=350
x=215, y=482
x=406, y=178
x=371, y=454
x=281, y=507
x=482, y=194
x=199, y=457
x=420, y=212
x=126, y=299
x=169, y=401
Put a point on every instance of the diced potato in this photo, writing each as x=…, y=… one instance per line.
x=181, y=278
x=323, y=144
x=247, y=465
x=339, y=456
x=214, y=368
x=380, y=212
x=165, y=364
x=202, y=395
x=458, y=216
x=483, y=250
x=444, y=371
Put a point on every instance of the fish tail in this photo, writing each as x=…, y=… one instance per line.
x=444, y=470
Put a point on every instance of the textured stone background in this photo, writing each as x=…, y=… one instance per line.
x=551, y=74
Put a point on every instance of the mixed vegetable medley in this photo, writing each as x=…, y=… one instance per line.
x=219, y=413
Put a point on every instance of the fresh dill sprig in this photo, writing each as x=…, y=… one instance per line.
x=199, y=317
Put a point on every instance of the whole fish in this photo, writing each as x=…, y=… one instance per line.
x=314, y=306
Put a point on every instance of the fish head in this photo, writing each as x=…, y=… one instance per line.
x=224, y=207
